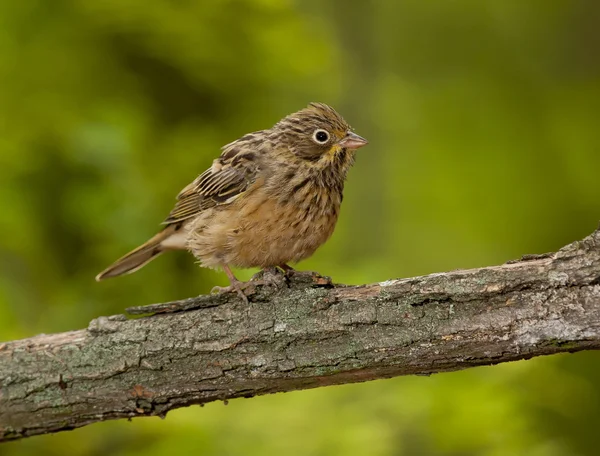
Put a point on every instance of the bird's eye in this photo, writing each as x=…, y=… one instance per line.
x=321, y=136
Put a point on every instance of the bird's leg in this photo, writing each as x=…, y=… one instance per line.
x=234, y=285
x=288, y=270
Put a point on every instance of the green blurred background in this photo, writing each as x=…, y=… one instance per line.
x=484, y=125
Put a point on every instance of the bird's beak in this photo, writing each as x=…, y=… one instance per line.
x=353, y=141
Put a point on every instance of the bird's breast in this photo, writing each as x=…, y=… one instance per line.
x=285, y=225
x=269, y=226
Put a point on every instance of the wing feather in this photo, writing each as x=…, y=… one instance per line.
x=230, y=176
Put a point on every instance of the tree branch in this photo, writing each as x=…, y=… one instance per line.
x=217, y=348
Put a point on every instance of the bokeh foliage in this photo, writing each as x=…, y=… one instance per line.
x=483, y=122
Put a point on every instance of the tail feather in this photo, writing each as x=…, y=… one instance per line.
x=142, y=255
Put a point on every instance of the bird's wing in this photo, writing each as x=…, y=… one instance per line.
x=229, y=177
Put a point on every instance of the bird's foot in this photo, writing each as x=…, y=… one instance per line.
x=288, y=271
x=243, y=289
x=270, y=277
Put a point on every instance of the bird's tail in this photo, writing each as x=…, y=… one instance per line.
x=167, y=239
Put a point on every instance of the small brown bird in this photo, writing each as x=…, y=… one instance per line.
x=271, y=198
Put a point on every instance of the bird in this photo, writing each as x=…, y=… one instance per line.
x=271, y=198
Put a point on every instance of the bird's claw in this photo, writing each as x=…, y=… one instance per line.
x=243, y=289
x=288, y=271
x=270, y=277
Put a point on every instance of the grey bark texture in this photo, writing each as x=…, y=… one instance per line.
x=304, y=335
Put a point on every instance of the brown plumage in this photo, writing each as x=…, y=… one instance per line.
x=272, y=197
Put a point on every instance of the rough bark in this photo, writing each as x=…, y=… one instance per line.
x=307, y=335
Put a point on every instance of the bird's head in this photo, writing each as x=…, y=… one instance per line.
x=319, y=134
